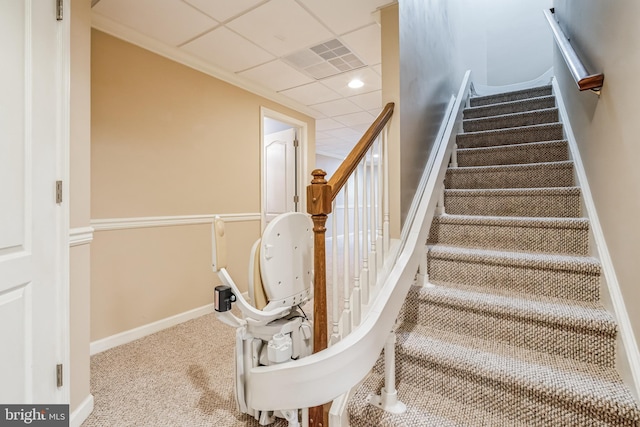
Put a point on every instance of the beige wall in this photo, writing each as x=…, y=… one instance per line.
x=167, y=140
x=390, y=48
x=606, y=36
x=79, y=197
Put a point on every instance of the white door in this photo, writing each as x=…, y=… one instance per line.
x=280, y=173
x=31, y=222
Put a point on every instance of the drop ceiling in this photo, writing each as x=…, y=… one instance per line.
x=302, y=53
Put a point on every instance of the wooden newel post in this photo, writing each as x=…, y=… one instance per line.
x=319, y=206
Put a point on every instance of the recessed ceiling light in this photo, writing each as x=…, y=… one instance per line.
x=356, y=83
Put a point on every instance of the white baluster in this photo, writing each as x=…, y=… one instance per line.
x=365, y=235
x=356, y=252
x=385, y=191
x=379, y=205
x=373, y=265
x=346, y=313
x=335, y=313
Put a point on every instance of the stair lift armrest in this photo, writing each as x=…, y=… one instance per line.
x=259, y=317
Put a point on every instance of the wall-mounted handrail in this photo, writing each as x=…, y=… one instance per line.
x=320, y=201
x=583, y=79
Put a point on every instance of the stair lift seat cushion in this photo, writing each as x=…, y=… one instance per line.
x=286, y=260
x=257, y=296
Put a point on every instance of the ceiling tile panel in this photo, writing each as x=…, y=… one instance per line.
x=170, y=21
x=276, y=75
x=227, y=50
x=312, y=93
x=323, y=125
x=353, y=13
x=368, y=101
x=354, y=119
x=281, y=27
x=339, y=83
x=223, y=9
x=377, y=69
x=365, y=42
x=337, y=107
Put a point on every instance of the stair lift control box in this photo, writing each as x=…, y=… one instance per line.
x=272, y=327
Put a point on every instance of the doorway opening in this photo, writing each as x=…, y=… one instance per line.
x=283, y=148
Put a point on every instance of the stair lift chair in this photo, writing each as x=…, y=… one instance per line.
x=273, y=328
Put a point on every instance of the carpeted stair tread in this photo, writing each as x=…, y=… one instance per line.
x=530, y=152
x=532, y=202
x=547, y=174
x=518, y=106
x=542, y=234
x=535, y=92
x=511, y=120
x=424, y=408
x=519, y=135
x=523, y=377
x=582, y=331
x=500, y=275
x=587, y=265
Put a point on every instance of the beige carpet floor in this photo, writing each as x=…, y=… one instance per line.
x=182, y=376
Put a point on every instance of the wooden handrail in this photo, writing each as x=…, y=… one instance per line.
x=320, y=194
x=351, y=162
x=583, y=79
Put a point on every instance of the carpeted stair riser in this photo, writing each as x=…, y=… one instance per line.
x=533, y=152
x=550, y=202
x=511, y=96
x=526, y=118
x=537, y=175
x=569, y=236
x=524, y=391
x=492, y=138
x=573, y=278
x=583, y=334
x=520, y=106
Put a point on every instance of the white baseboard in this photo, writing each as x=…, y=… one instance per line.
x=151, y=328
x=612, y=285
x=82, y=412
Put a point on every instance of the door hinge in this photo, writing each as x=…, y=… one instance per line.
x=59, y=375
x=59, y=7
x=296, y=199
x=58, y=191
x=296, y=143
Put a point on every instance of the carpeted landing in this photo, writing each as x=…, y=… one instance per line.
x=513, y=332
x=182, y=376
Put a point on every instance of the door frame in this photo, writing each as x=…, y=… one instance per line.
x=301, y=159
x=64, y=216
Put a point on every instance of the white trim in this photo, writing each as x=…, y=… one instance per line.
x=82, y=412
x=110, y=224
x=125, y=337
x=180, y=56
x=80, y=236
x=624, y=323
x=544, y=79
x=301, y=159
x=63, y=167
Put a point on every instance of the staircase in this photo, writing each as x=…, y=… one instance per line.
x=511, y=330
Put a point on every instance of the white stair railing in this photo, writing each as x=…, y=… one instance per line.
x=359, y=249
